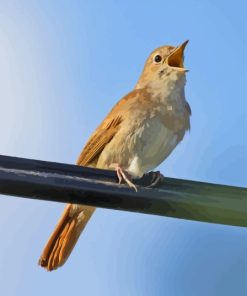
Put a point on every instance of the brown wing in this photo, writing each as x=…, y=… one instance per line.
x=97, y=142
x=106, y=131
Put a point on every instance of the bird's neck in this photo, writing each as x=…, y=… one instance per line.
x=167, y=89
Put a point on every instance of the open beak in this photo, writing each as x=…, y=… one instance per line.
x=176, y=58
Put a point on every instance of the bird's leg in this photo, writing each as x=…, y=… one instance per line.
x=122, y=175
x=157, y=178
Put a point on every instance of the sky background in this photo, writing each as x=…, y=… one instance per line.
x=63, y=64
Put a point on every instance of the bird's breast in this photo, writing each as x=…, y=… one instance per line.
x=153, y=143
x=139, y=148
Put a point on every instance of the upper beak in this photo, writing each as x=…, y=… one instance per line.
x=176, y=58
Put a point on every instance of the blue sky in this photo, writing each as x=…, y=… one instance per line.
x=63, y=64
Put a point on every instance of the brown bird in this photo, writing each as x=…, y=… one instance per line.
x=138, y=134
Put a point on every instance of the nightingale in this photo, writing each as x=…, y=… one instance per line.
x=137, y=135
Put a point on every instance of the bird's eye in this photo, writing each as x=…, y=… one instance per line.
x=157, y=59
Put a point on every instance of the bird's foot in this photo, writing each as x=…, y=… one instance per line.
x=123, y=175
x=156, y=178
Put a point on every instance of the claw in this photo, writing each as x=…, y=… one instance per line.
x=157, y=178
x=122, y=175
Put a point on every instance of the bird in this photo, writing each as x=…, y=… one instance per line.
x=138, y=134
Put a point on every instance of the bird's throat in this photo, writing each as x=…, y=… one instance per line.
x=168, y=87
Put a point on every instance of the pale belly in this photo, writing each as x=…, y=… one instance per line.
x=140, y=151
x=156, y=143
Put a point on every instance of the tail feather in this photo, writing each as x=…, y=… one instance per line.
x=64, y=237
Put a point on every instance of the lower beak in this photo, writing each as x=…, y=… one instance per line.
x=176, y=58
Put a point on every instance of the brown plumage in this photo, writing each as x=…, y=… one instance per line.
x=136, y=136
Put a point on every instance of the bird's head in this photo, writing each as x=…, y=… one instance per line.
x=164, y=63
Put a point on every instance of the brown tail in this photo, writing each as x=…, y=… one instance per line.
x=65, y=236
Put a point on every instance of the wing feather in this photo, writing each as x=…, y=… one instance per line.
x=100, y=138
x=106, y=131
